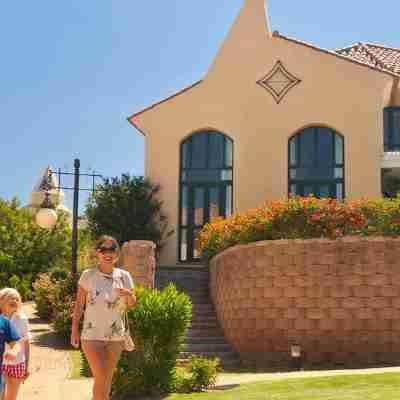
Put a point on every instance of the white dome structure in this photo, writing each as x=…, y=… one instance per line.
x=48, y=184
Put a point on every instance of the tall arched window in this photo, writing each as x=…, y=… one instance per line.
x=316, y=163
x=206, y=183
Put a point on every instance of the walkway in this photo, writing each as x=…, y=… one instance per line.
x=50, y=366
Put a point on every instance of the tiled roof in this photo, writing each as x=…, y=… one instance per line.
x=377, y=56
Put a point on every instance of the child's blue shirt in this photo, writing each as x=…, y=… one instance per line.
x=8, y=334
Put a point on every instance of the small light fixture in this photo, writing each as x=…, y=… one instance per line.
x=46, y=217
x=296, y=356
x=295, y=350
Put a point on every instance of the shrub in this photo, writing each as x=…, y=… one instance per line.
x=55, y=301
x=158, y=323
x=302, y=218
x=42, y=294
x=203, y=374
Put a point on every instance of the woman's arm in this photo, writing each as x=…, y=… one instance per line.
x=77, y=315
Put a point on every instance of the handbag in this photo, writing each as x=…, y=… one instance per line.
x=129, y=344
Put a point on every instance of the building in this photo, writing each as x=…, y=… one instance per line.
x=273, y=116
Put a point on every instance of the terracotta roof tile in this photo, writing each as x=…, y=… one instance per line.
x=376, y=56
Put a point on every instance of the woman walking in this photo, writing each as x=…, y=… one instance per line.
x=105, y=292
x=16, y=361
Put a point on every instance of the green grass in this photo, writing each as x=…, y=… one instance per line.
x=352, y=387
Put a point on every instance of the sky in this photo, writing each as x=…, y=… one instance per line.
x=72, y=71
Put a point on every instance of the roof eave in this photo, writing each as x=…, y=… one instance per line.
x=154, y=105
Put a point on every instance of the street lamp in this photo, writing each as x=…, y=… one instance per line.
x=46, y=217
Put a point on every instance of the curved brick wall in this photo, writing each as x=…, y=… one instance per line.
x=340, y=300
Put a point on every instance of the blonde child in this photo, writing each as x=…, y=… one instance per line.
x=16, y=360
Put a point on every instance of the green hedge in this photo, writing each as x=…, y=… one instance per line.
x=302, y=218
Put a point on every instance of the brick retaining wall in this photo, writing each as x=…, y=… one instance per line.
x=340, y=300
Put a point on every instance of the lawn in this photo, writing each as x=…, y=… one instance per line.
x=352, y=387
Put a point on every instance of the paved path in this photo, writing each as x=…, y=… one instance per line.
x=50, y=366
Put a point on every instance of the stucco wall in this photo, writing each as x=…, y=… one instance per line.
x=333, y=92
x=340, y=300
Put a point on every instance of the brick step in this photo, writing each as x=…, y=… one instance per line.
x=201, y=308
x=203, y=332
x=204, y=324
x=199, y=300
x=204, y=318
x=205, y=339
x=206, y=347
x=204, y=313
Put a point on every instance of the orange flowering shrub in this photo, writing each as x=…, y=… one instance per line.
x=302, y=218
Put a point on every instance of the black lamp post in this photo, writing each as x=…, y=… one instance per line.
x=76, y=188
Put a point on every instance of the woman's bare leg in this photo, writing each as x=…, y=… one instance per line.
x=113, y=350
x=96, y=355
x=12, y=388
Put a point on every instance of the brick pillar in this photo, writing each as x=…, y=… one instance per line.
x=137, y=257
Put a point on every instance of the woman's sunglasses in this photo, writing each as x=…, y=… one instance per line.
x=105, y=249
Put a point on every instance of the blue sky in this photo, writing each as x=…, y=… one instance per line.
x=72, y=71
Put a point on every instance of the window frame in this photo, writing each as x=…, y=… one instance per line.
x=316, y=182
x=206, y=184
x=389, y=144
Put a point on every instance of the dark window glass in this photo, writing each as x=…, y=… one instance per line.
x=392, y=128
x=319, y=169
x=185, y=155
x=325, y=146
x=216, y=151
x=307, y=147
x=199, y=150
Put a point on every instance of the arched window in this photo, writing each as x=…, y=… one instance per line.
x=316, y=163
x=206, y=183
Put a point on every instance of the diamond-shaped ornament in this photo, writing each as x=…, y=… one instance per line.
x=279, y=81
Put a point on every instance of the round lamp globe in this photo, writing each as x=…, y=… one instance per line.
x=46, y=218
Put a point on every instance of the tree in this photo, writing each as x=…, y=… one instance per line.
x=26, y=249
x=127, y=208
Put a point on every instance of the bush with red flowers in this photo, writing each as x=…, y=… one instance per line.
x=302, y=218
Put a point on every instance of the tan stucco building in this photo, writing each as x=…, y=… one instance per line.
x=273, y=116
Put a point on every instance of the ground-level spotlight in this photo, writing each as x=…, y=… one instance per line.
x=296, y=356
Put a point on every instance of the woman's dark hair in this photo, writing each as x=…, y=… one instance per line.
x=106, y=238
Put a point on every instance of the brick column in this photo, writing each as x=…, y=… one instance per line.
x=137, y=257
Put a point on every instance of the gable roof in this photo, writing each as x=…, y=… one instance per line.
x=377, y=56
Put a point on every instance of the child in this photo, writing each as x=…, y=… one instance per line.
x=8, y=335
x=16, y=360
